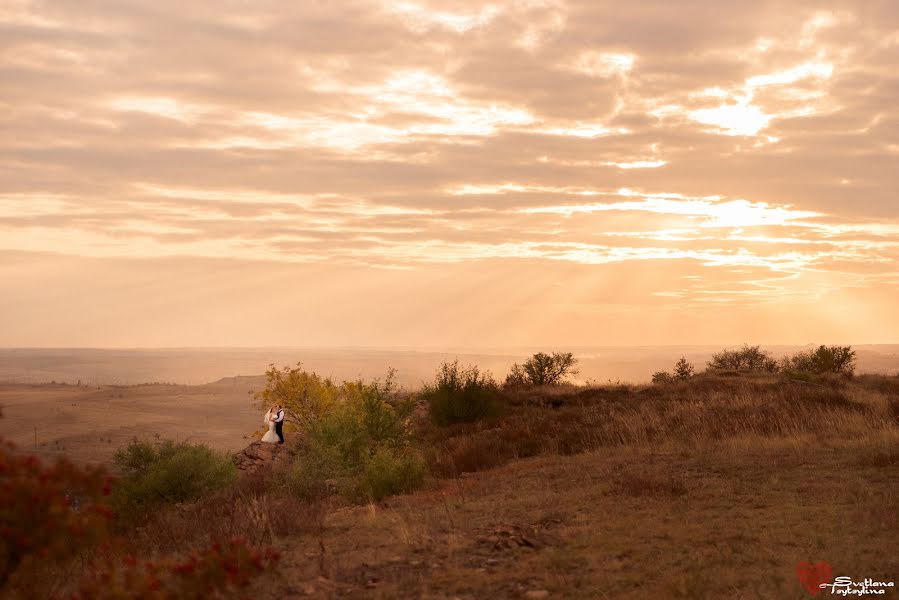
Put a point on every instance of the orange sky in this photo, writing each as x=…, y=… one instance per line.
x=448, y=173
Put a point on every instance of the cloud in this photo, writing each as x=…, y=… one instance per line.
x=749, y=146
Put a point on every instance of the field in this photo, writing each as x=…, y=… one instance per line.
x=710, y=489
x=713, y=487
x=730, y=521
x=88, y=423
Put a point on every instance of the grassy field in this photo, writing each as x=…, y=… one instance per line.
x=714, y=487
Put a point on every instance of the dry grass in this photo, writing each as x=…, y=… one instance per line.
x=253, y=510
x=711, y=488
x=715, y=487
x=693, y=413
x=620, y=523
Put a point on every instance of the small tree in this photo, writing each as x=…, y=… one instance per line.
x=683, y=370
x=546, y=369
x=304, y=396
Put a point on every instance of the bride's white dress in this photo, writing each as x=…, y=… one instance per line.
x=270, y=436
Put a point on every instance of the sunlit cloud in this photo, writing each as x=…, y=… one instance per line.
x=422, y=19
x=160, y=106
x=671, y=155
x=732, y=213
x=741, y=118
x=639, y=164
x=604, y=64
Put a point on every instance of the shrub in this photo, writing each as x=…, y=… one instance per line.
x=208, y=572
x=168, y=473
x=460, y=395
x=747, y=358
x=317, y=473
x=544, y=369
x=662, y=377
x=683, y=370
x=362, y=446
x=391, y=471
x=517, y=377
x=54, y=522
x=839, y=360
x=47, y=514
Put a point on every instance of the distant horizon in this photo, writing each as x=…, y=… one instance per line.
x=524, y=347
x=199, y=366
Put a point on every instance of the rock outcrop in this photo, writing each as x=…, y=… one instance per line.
x=259, y=454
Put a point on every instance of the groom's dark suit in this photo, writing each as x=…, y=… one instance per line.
x=279, y=425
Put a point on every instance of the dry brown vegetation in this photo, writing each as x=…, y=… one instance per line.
x=712, y=487
x=716, y=486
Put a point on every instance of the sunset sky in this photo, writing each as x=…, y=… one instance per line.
x=427, y=174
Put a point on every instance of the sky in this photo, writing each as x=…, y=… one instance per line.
x=436, y=174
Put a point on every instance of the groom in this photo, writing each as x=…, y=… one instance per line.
x=279, y=424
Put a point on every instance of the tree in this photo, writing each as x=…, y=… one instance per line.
x=824, y=359
x=683, y=369
x=304, y=396
x=747, y=358
x=516, y=378
x=544, y=369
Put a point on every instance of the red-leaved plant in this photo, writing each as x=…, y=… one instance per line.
x=48, y=514
x=213, y=572
x=55, y=522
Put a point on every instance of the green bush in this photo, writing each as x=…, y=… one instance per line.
x=361, y=447
x=317, y=473
x=391, y=471
x=460, y=395
x=168, y=472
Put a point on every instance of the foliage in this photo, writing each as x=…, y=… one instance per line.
x=390, y=471
x=168, y=472
x=838, y=360
x=362, y=445
x=662, y=377
x=517, y=377
x=683, y=369
x=47, y=514
x=304, y=396
x=460, y=395
x=747, y=358
x=543, y=369
x=209, y=572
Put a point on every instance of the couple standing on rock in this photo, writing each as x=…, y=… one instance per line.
x=274, y=418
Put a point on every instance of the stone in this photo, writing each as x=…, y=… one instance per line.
x=257, y=455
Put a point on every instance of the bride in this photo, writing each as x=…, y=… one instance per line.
x=270, y=436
